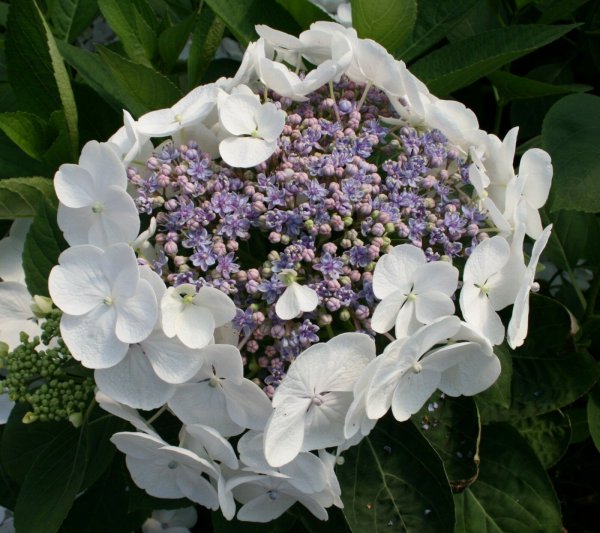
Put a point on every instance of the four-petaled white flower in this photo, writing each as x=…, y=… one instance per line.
x=413, y=291
x=106, y=304
x=296, y=298
x=312, y=400
x=193, y=315
x=171, y=521
x=517, y=327
x=168, y=471
x=229, y=401
x=486, y=285
x=94, y=206
x=254, y=127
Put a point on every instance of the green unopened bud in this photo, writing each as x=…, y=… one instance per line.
x=309, y=224
x=375, y=214
x=76, y=419
x=386, y=241
x=389, y=227
x=41, y=306
x=348, y=221
x=29, y=418
x=285, y=239
x=344, y=280
x=344, y=315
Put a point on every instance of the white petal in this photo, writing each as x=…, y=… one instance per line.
x=270, y=121
x=431, y=305
x=75, y=223
x=119, y=266
x=324, y=424
x=75, y=186
x=385, y=314
x=160, y=123
x=438, y=276
x=295, y=299
x=91, y=337
x=219, y=304
x=133, y=382
x=412, y=391
x=172, y=361
x=136, y=316
x=225, y=359
x=195, y=326
x=394, y=271
x=474, y=374
x=536, y=169
x=102, y=163
x=213, y=412
x=124, y=412
x=264, y=509
x=478, y=311
x=246, y=152
x=247, y=404
x=284, y=432
x=117, y=222
x=207, y=442
x=77, y=285
x=488, y=258
x=237, y=114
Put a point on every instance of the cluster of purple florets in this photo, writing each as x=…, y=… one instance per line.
x=341, y=189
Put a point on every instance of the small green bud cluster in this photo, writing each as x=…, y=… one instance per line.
x=54, y=384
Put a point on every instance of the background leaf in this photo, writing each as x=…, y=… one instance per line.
x=511, y=87
x=571, y=135
x=26, y=130
x=512, y=493
x=549, y=435
x=70, y=17
x=593, y=415
x=388, y=23
x=21, y=197
x=43, y=245
x=241, y=16
x=451, y=426
x=206, y=37
x=393, y=479
x=461, y=63
x=434, y=20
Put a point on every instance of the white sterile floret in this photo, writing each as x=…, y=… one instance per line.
x=16, y=314
x=413, y=291
x=129, y=414
x=485, y=287
x=517, y=327
x=167, y=471
x=531, y=187
x=129, y=144
x=208, y=443
x=193, y=316
x=191, y=109
x=254, y=127
x=94, y=206
x=229, y=401
x=11, y=251
x=311, y=402
x=106, y=304
x=296, y=298
x=171, y=521
x=406, y=375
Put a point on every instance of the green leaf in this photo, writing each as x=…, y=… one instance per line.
x=393, y=480
x=560, y=10
x=571, y=134
x=206, y=37
x=173, y=39
x=511, y=87
x=241, y=16
x=388, y=23
x=21, y=197
x=459, y=64
x=148, y=87
x=26, y=130
x=304, y=12
x=133, y=32
x=103, y=507
x=512, y=493
x=70, y=17
x=548, y=435
x=593, y=415
x=16, y=163
x=580, y=430
x=547, y=374
x=451, y=426
x=497, y=397
x=38, y=74
x=434, y=20
x=22, y=443
x=51, y=485
x=43, y=245
x=98, y=75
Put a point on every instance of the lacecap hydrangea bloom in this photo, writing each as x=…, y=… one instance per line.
x=291, y=218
